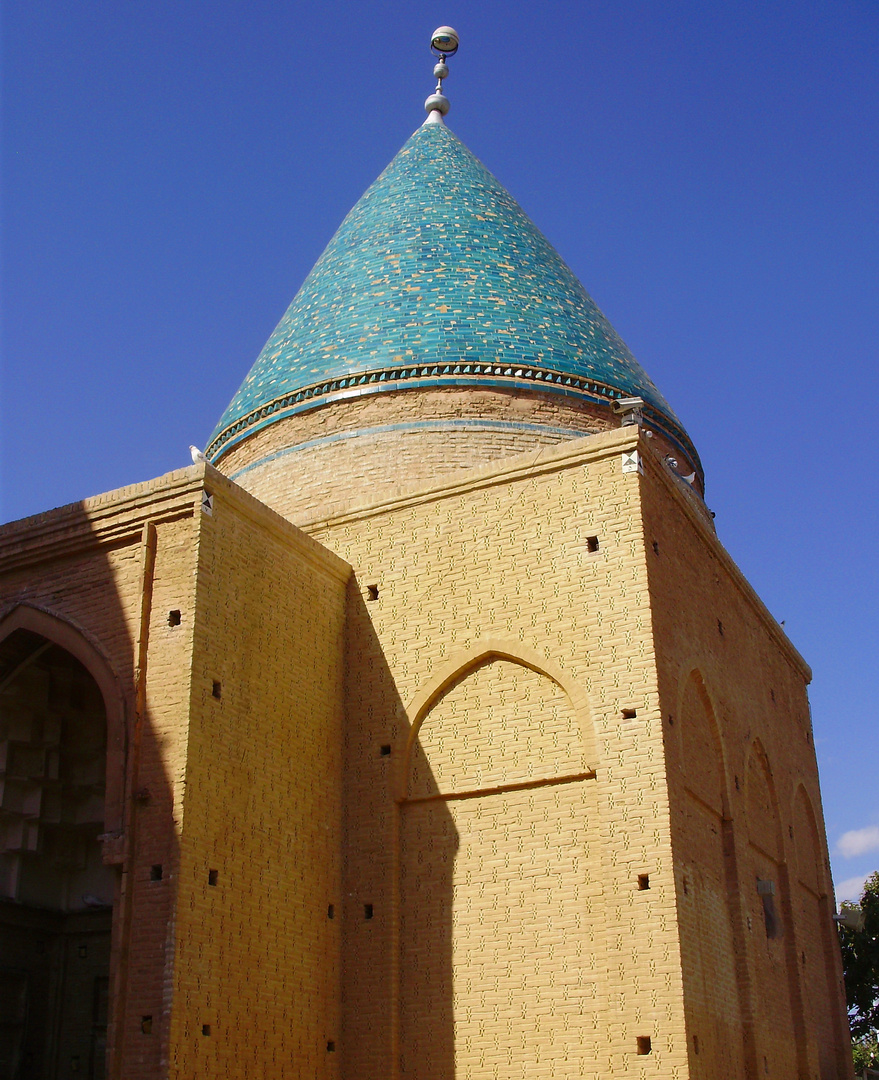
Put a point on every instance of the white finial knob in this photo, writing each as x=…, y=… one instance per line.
x=437, y=103
x=443, y=43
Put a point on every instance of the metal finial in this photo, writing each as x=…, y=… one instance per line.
x=443, y=43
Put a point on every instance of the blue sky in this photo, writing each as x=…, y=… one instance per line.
x=172, y=171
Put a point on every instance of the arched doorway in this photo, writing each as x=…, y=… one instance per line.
x=56, y=895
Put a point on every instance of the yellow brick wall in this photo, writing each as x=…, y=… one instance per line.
x=479, y=748
x=256, y=955
x=818, y=951
x=500, y=567
x=745, y=805
x=84, y=565
x=500, y=908
x=496, y=882
x=708, y=939
x=500, y=724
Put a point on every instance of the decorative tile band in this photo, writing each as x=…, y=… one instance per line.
x=414, y=376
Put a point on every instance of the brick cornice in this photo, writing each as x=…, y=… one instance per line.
x=111, y=519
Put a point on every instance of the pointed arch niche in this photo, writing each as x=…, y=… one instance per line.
x=818, y=949
x=706, y=877
x=61, y=722
x=771, y=946
x=497, y=834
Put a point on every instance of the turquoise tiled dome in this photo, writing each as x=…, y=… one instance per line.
x=437, y=278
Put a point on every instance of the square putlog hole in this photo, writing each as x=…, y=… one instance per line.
x=592, y=543
x=372, y=592
x=216, y=690
x=213, y=877
x=156, y=872
x=644, y=1045
x=643, y=882
x=174, y=618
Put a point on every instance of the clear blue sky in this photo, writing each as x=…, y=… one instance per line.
x=172, y=171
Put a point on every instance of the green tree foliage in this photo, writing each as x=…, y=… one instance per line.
x=860, y=964
x=865, y=1055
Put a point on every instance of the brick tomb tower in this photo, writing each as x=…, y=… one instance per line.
x=428, y=731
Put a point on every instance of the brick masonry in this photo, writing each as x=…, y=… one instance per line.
x=323, y=462
x=478, y=779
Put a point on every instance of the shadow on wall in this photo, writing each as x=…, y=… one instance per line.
x=77, y=756
x=470, y=820
x=747, y=924
x=397, y=879
x=504, y=745
x=712, y=935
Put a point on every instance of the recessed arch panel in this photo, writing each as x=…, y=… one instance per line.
x=501, y=723
x=705, y=871
x=817, y=946
x=761, y=804
x=56, y=892
x=498, y=889
x=702, y=756
x=807, y=845
x=560, y=694
x=76, y=642
x=772, y=959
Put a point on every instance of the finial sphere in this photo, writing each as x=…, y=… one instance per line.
x=437, y=103
x=444, y=41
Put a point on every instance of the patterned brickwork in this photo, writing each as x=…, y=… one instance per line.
x=708, y=939
x=530, y=792
x=256, y=971
x=495, y=886
x=733, y=694
x=87, y=573
x=532, y=733
x=346, y=454
x=817, y=950
x=500, y=566
x=500, y=971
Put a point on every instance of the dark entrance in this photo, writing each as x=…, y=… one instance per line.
x=56, y=895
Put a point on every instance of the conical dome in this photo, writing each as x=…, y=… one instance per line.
x=437, y=279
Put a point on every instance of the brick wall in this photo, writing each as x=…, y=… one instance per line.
x=544, y=951
x=762, y=975
x=532, y=756
x=94, y=579
x=256, y=970
x=331, y=471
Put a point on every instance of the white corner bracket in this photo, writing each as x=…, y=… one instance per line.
x=852, y=918
x=632, y=462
